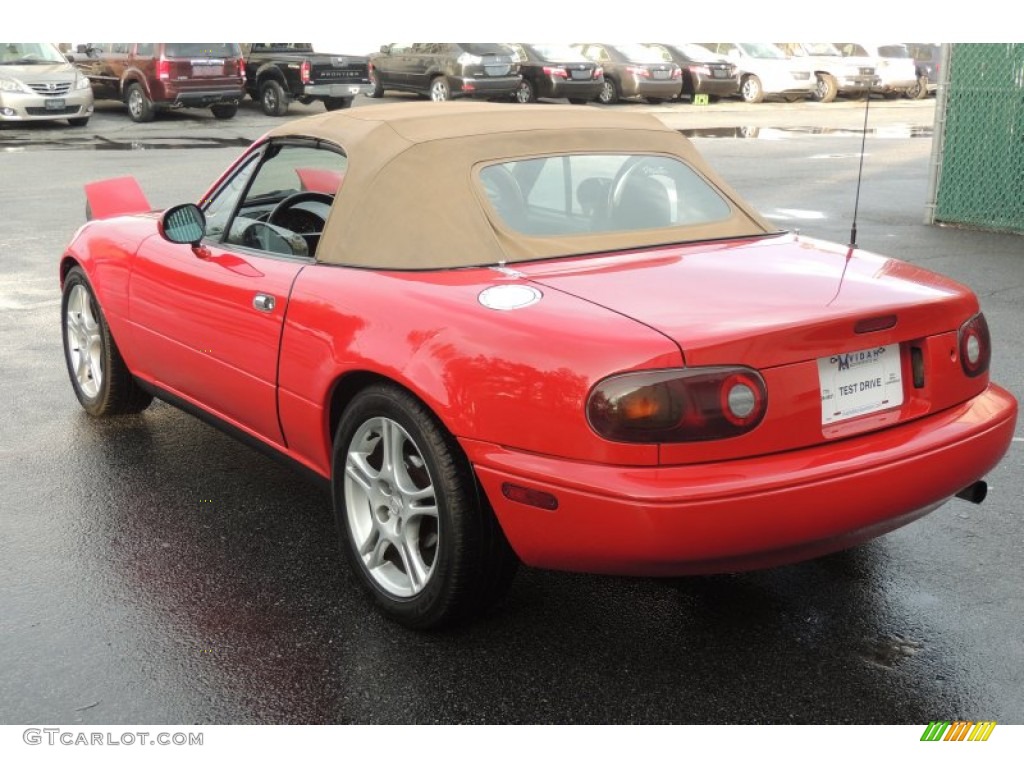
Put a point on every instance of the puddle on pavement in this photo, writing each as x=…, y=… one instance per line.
x=760, y=132
x=100, y=143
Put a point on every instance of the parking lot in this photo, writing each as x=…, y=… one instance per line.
x=153, y=570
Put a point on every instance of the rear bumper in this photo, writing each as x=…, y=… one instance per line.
x=337, y=90
x=659, y=89
x=569, y=89
x=748, y=513
x=716, y=86
x=485, y=86
x=197, y=98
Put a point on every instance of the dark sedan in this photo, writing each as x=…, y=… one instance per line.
x=556, y=72
x=634, y=69
x=704, y=72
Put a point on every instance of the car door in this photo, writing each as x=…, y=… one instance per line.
x=209, y=319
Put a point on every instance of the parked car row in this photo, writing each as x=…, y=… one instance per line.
x=37, y=82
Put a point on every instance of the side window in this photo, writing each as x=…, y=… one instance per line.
x=284, y=209
x=144, y=49
x=121, y=48
x=218, y=209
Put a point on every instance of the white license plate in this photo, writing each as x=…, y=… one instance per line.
x=857, y=383
x=207, y=70
x=54, y=104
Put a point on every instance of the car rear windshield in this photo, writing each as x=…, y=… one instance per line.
x=222, y=50
x=485, y=49
x=578, y=194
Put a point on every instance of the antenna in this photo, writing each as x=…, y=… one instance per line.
x=860, y=171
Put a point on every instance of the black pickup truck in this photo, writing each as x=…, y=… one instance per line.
x=277, y=73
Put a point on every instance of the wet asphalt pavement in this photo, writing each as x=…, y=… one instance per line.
x=153, y=570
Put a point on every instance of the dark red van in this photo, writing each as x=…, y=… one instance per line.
x=150, y=77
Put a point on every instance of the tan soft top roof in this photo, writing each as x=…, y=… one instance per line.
x=411, y=198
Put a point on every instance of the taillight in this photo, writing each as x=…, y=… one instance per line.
x=163, y=69
x=677, y=74
x=678, y=405
x=975, y=346
x=639, y=71
x=304, y=71
x=598, y=72
x=556, y=72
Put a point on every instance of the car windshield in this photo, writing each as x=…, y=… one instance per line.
x=643, y=53
x=695, y=52
x=557, y=52
x=762, y=50
x=851, y=49
x=202, y=49
x=894, y=51
x=30, y=53
x=821, y=49
x=579, y=194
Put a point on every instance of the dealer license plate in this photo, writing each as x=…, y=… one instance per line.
x=53, y=104
x=857, y=383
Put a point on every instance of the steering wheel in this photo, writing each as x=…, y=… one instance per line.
x=279, y=215
x=629, y=169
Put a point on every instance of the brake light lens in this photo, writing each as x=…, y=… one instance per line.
x=639, y=71
x=975, y=346
x=163, y=69
x=678, y=405
x=598, y=72
x=677, y=74
x=304, y=71
x=556, y=72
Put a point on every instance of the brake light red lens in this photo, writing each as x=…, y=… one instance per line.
x=975, y=346
x=304, y=71
x=678, y=405
x=556, y=72
x=639, y=71
x=163, y=69
x=598, y=72
x=677, y=74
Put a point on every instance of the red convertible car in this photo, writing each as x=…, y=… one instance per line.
x=550, y=336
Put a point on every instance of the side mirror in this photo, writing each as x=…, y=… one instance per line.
x=385, y=48
x=183, y=224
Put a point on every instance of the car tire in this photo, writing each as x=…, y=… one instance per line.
x=440, y=90
x=917, y=91
x=140, y=108
x=609, y=92
x=273, y=99
x=377, y=88
x=751, y=89
x=332, y=104
x=825, y=89
x=101, y=380
x=526, y=93
x=78, y=122
x=417, y=530
x=224, y=111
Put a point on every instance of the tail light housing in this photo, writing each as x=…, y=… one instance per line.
x=556, y=72
x=163, y=69
x=975, y=346
x=639, y=71
x=678, y=405
x=304, y=72
x=598, y=72
x=677, y=74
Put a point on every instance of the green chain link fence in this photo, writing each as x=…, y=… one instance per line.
x=980, y=141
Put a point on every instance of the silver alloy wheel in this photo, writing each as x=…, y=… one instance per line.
x=270, y=102
x=607, y=92
x=391, y=507
x=135, y=102
x=524, y=93
x=84, y=342
x=439, y=90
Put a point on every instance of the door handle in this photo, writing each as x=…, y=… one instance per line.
x=264, y=302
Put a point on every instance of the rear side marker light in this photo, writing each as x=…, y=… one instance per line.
x=529, y=496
